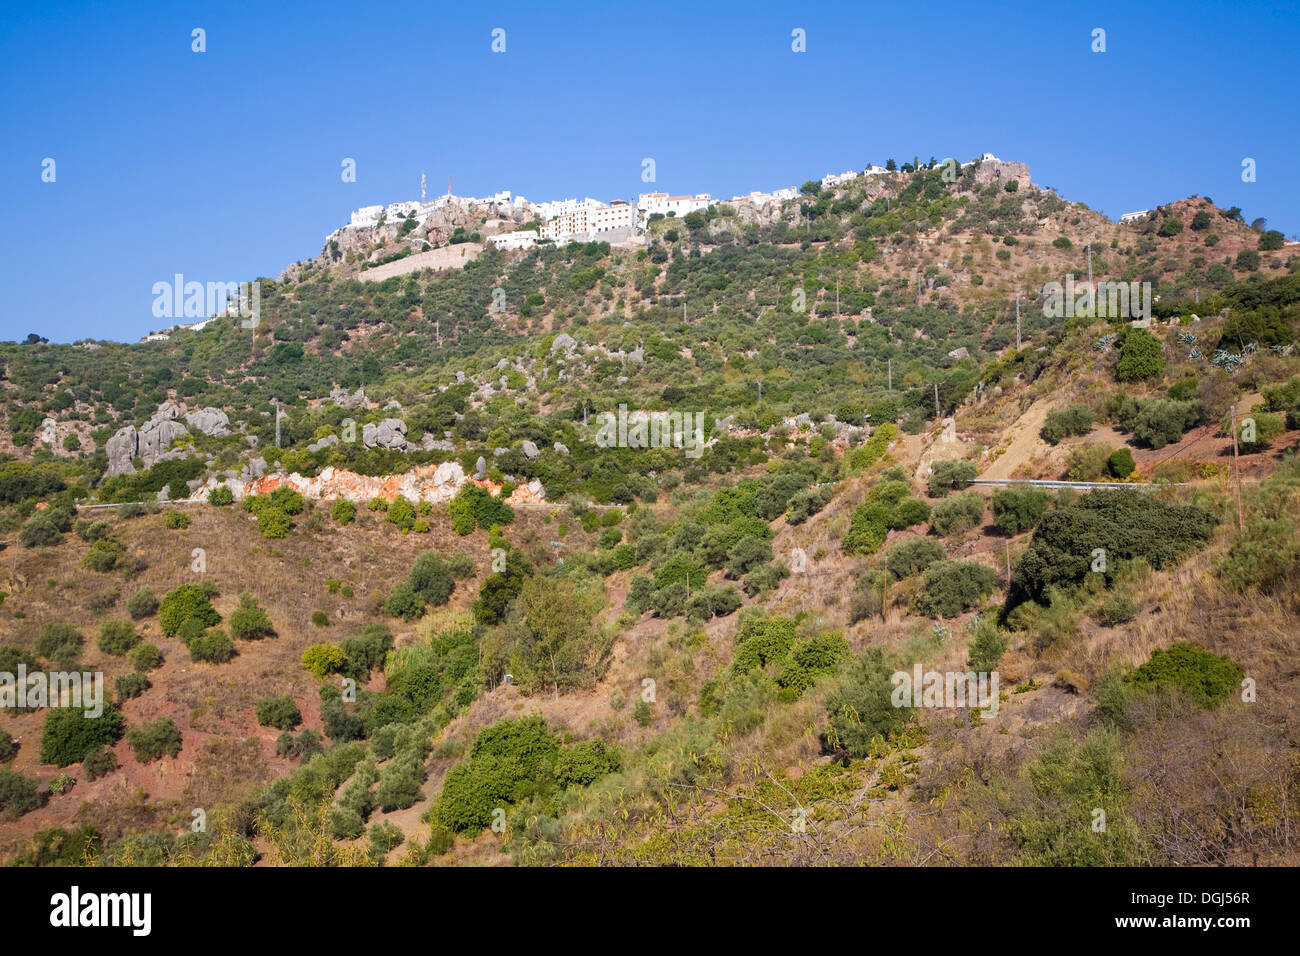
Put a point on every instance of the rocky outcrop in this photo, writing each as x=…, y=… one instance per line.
x=564, y=341
x=120, y=450
x=530, y=450
x=432, y=483
x=390, y=433
x=210, y=421
x=343, y=400
x=328, y=441
x=152, y=443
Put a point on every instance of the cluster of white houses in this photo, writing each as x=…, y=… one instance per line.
x=566, y=220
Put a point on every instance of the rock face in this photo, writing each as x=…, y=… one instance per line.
x=327, y=442
x=152, y=442
x=343, y=400
x=997, y=172
x=390, y=433
x=430, y=483
x=210, y=421
x=120, y=450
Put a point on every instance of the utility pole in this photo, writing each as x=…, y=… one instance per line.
x=936, y=399
x=760, y=391
x=918, y=290
x=1007, y=542
x=891, y=375
x=1236, y=467
x=837, y=295
x=1017, y=323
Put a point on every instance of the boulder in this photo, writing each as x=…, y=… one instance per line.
x=327, y=442
x=390, y=433
x=120, y=450
x=156, y=437
x=253, y=468
x=449, y=474
x=530, y=450
x=210, y=421
x=561, y=448
x=480, y=467
x=563, y=341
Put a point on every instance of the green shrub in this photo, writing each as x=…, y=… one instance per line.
x=806, y=503
x=40, y=530
x=431, y=579
x=950, y=587
x=176, y=520
x=1140, y=357
x=987, y=645
x=212, y=646
x=343, y=511
x=142, y=604
x=221, y=496
x=100, y=762
x=1120, y=464
x=506, y=762
x=249, y=622
x=1016, y=510
x=946, y=476
x=401, y=513
x=8, y=748
x=117, y=637
x=68, y=734
x=860, y=708
x=188, y=602
x=887, y=506
x=913, y=556
x=1063, y=422
x=288, y=500
x=404, y=603
x=323, y=659
x=958, y=514
x=154, y=740
x=104, y=555
x=1124, y=523
x=145, y=657
x=131, y=685
x=278, y=712
x=59, y=643
x=1205, y=677
x=1161, y=422
x=19, y=795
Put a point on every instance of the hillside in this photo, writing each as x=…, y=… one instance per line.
x=616, y=554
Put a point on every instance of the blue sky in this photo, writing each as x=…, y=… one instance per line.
x=225, y=165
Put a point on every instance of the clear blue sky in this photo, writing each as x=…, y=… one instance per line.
x=225, y=165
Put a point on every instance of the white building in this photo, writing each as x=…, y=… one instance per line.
x=874, y=171
x=366, y=216
x=1134, y=216
x=401, y=210
x=590, y=218
x=524, y=239
x=663, y=204
x=833, y=179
